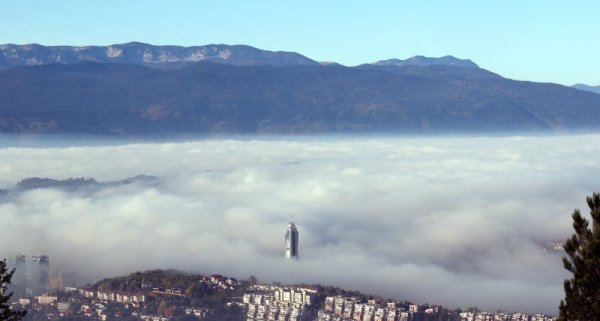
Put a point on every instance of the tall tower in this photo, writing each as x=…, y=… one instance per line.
x=291, y=241
x=19, y=280
x=40, y=270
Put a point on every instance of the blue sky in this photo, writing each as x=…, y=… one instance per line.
x=538, y=40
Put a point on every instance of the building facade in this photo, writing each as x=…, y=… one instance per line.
x=291, y=241
x=19, y=279
x=40, y=273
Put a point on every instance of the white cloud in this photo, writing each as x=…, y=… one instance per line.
x=455, y=221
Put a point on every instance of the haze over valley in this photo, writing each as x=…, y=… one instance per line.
x=443, y=220
x=315, y=161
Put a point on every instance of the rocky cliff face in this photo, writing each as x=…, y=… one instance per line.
x=12, y=55
x=140, y=53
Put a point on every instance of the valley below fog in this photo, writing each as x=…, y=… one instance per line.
x=459, y=221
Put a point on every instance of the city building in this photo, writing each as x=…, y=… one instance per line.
x=291, y=241
x=277, y=303
x=294, y=295
x=40, y=272
x=19, y=279
x=59, y=280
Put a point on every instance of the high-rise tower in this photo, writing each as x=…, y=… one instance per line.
x=291, y=241
x=40, y=270
x=19, y=280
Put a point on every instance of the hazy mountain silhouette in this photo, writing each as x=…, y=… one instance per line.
x=427, y=61
x=594, y=89
x=288, y=95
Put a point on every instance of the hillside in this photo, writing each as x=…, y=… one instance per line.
x=204, y=98
x=594, y=89
x=85, y=186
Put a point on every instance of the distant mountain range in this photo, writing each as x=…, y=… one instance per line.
x=594, y=89
x=166, y=57
x=140, y=53
x=139, y=90
x=427, y=61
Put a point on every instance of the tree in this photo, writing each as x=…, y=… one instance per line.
x=6, y=313
x=582, y=291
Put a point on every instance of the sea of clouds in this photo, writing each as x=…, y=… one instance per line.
x=455, y=221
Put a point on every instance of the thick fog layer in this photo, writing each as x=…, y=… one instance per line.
x=455, y=221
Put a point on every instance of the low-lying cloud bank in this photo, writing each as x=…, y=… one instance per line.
x=455, y=221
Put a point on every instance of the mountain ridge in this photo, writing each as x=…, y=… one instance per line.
x=12, y=55
x=209, y=98
x=172, y=56
x=428, y=61
x=593, y=89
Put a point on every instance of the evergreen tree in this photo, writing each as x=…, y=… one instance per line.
x=6, y=313
x=582, y=291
